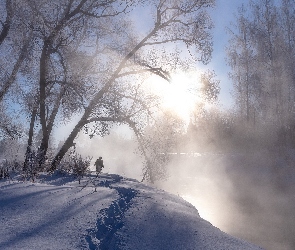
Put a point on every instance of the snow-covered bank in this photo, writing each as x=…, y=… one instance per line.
x=60, y=213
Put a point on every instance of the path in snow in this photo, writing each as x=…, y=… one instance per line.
x=145, y=218
x=110, y=219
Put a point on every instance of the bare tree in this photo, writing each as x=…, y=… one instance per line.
x=87, y=57
x=15, y=40
x=261, y=56
x=68, y=37
x=174, y=22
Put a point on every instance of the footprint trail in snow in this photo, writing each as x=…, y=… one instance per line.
x=110, y=219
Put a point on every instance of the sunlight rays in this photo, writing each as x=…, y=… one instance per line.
x=179, y=96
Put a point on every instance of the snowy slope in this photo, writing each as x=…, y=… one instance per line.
x=109, y=212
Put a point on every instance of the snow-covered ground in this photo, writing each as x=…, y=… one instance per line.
x=108, y=212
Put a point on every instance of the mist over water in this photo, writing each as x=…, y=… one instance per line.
x=199, y=183
x=249, y=195
x=237, y=194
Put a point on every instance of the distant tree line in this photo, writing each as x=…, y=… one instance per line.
x=261, y=54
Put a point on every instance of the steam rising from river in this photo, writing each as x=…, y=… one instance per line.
x=238, y=193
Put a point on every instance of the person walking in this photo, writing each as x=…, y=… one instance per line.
x=99, y=165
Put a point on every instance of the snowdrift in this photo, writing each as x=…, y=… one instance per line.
x=108, y=212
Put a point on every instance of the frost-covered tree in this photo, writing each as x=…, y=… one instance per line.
x=261, y=55
x=71, y=43
x=15, y=39
x=140, y=54
x=90, y=58
x=210, y=88
x=157, y=142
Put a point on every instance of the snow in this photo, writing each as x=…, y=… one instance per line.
x=108, y=212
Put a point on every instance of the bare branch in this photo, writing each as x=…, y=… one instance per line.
x=6, y=25
x=12, y=77
x=104, y=119
x=164, y=41
x=87, y=13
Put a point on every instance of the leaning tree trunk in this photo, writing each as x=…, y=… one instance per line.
x=42, y=96
x=84, y=120
x=68, y=143
x=45, y=56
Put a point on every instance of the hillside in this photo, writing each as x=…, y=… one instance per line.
x=108, y=212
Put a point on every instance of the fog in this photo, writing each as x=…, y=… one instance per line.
x=243, y=194
x=118, y=151
x=239, y=197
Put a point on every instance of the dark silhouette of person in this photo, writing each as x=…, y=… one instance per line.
x=99, y=165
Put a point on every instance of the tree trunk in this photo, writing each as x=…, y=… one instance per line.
x=11, y=79
x=45, y=54
x=45, y=140
x=4, y=32
x=7, y=23
x=68, y=143
x=30, y=139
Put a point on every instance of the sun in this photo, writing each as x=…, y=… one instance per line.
x=180, y=95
